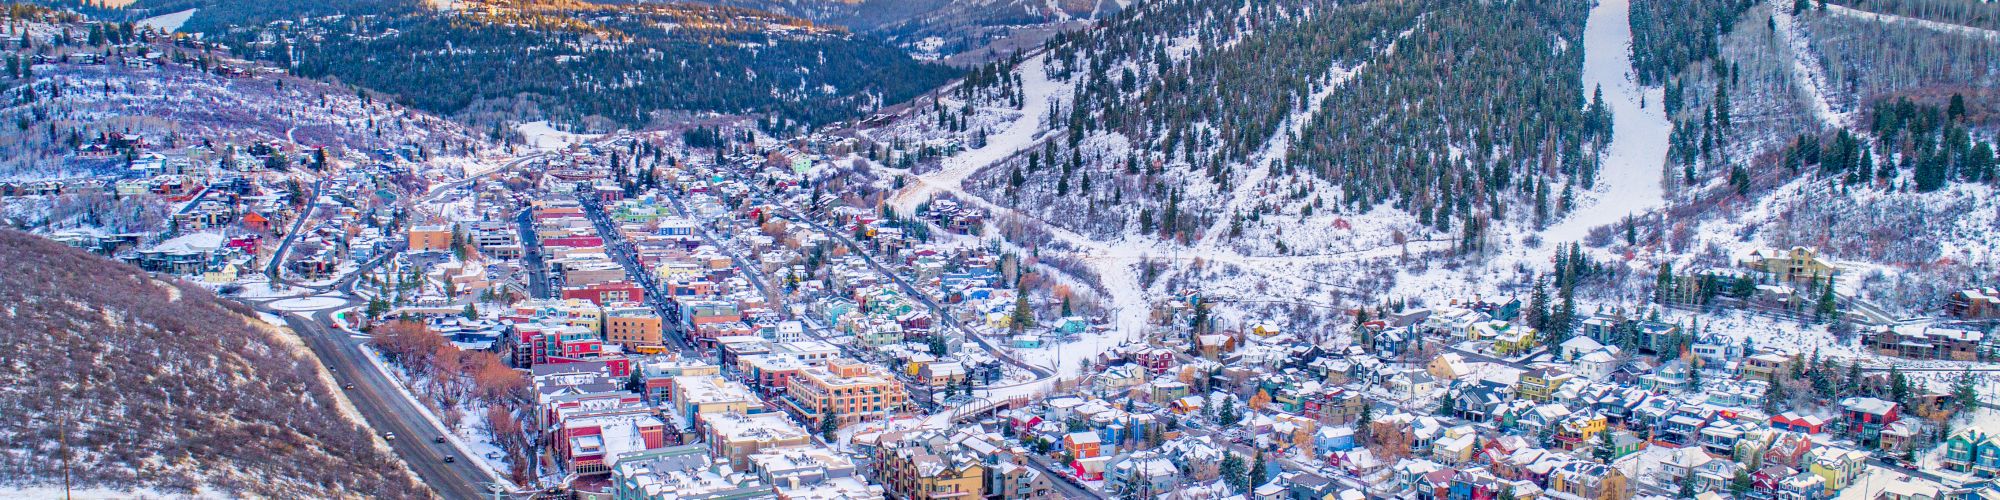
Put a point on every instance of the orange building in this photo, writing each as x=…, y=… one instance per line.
x=430, y=238
x=850, y=390
x=635, y=327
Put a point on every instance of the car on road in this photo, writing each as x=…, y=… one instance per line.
x=450, y=459
x=440, y=439
x=348, y=387
x=389, y=436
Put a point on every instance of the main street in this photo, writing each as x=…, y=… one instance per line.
x=620, y=250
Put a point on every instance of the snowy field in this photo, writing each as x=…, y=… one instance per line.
x=541, y=135
x=168, y=22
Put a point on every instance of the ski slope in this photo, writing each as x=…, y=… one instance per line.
x=1632, y=164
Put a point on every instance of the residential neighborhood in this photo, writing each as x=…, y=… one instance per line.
x=693, y=329
x=716, y=306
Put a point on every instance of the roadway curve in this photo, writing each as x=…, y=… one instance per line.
x=385, y=407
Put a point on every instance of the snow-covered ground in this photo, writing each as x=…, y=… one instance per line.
x=307, y=303
x=168, y=22
x=1020, y=134
x=1806, y=67
x=541, y=135
x=58, y=492
x=1838, y=9
x=458, y=438
x=1633, y=163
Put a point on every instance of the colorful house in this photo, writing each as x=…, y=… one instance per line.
x=1083, y=444
x=1838, y=467
x=1973, y=451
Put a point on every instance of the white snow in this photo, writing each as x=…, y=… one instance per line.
x=56, y=491
x=1632, y=164
x=306, y=304
x=1276, y=147
x=168, y=22
x=541, y=135
x=1837, y=9
x=1019, y=134
x=457, y=441
x=1806, y=67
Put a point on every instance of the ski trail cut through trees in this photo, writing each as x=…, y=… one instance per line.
x=1631, y=166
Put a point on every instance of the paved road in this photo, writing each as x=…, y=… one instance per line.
x=278, y=256
x=531, y=256
x=439, y=192
x=620, y=250
x=386, y=409
x=1059, y=475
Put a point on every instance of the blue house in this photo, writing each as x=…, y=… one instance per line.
x=1334, y=438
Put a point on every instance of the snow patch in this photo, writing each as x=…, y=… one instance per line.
x=168, y=23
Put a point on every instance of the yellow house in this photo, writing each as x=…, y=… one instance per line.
x=219, y=276
x=1514, y=340
x=999, y=320
x=1540, y=384
x=1579, y=431
x=1837, y=466
x=1507, y=338
x=1448, y=366
x=1266, y=330
x=1456, y=446
x=1797, y=264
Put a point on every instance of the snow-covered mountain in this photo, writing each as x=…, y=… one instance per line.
x=1325, y=151
x=974, y=30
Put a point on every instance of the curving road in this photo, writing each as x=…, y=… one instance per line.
x=385, y=408
x=378, y=398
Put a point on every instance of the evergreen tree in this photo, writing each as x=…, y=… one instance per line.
x=1965, y=392
x=1538, y=305
x=1899, y=386
x=470, y=312
x=1227, y=417
x=1607, y=448
x=1259, y=472
x=1663, y=284
x=1233, y=472
x=1741, y=484
x=1829, y=304
x=829, y=427
x=1024, y=317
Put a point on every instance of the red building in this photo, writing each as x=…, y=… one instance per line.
x=1865, y=417
x=1155, y=359
x=590, y=438
x=1796, y=422
x=574, y=242
x=606, y=293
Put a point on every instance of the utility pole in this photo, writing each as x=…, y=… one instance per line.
x=62, y=437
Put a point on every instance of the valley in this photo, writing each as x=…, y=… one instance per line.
x=1182, y=249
